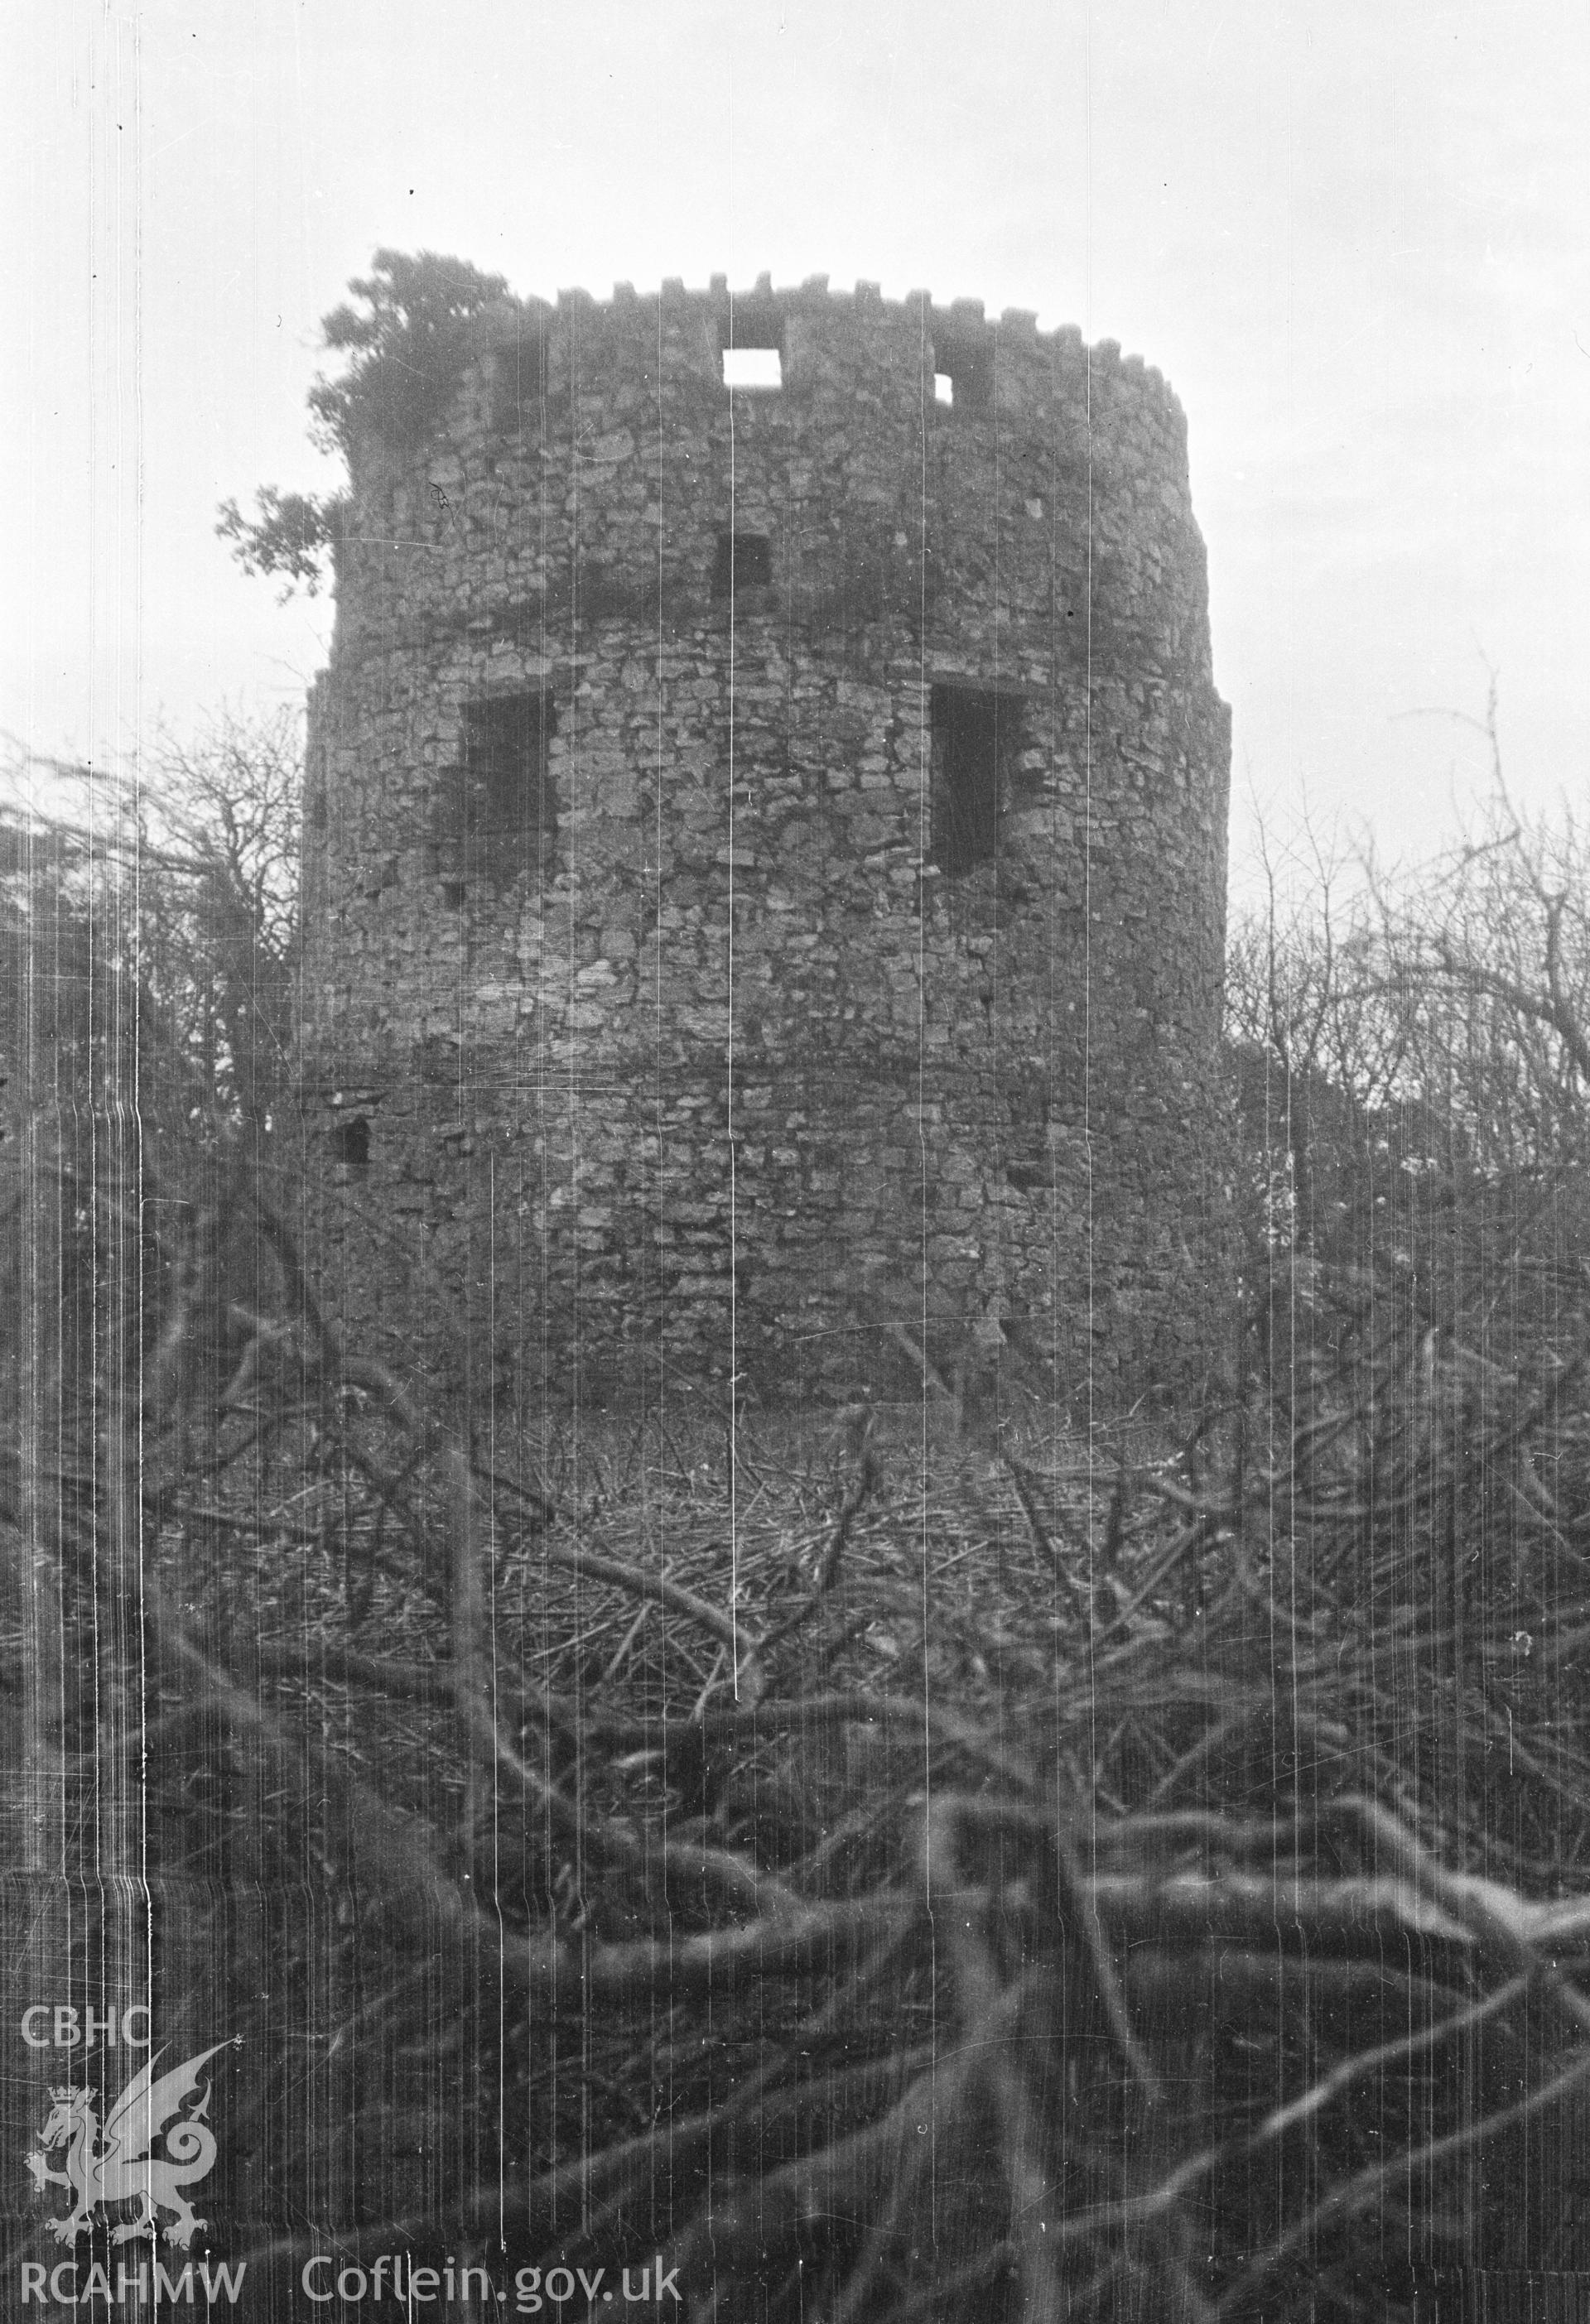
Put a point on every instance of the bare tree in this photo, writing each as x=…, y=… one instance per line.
x=1413, y=1063
x=1496, y=948
x=147, y=941
x=149, y=917
x=1306, y=1026
x=220, y=826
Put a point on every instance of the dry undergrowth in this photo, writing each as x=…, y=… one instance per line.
x=870, y=1873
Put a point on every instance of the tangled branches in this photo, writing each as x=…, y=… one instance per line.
x=1043, y=1893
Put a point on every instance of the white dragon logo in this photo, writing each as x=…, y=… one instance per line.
x=124, y=2171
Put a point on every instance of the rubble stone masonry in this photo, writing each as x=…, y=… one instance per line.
x=766, y=853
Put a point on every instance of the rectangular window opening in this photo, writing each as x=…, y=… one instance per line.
x=761, y=368
x=744, y=560
x=943, y=387
x=510, y=811
x=974, y=733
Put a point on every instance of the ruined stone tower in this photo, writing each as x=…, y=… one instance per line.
x=765, y=849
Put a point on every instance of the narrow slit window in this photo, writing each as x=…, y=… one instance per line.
x=510, y=811
x=972, y=735
x=744, y=560
x=519, y=378
x=943, y=387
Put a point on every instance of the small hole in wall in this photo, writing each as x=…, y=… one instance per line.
x=943, y=387
x=349, y=1141
x=744, y=560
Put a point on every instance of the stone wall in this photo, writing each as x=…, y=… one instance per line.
x=765, y=850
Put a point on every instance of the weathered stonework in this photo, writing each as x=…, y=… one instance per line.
x=765, y=849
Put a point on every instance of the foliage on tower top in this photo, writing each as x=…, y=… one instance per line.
x=406, y=340
x=407, y=343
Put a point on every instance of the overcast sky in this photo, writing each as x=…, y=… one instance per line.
x=1351, y=232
